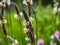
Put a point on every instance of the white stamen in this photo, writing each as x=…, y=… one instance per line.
x=25, y=2
x=25, y=30
x=1, y=22
x=10, y=38
x=52, y=37
x=7, y=1
x=58, y=9
x=55, y=10
x=16, y=16
x=31, y=19
x=31, y=2
x=21, y=13
x=5, y=21
x=35, y=36
x=26, y=38
x=0, y=3
x=24, y=22
x=15, y=42
x=0, y=40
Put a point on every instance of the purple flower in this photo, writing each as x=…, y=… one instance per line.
x=57, y=34
x=52, y=43
x=40, y=42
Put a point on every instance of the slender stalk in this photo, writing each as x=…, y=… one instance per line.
x=29, y=10
x=17, y=11
x=59, y=21
x=36, y=29
x=3, y=26
x=29, y=26
x=10, y=23
x=34, y=13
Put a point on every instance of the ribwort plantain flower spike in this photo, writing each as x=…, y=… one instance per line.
x=56, y=8
x=29, y=27
x=5, y=4
x=25, y=2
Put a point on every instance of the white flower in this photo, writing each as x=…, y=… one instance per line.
x=5, y=21
x=0, y=40
x=0, y=3
x=24, y=2
x=8, y=1
x=10, y=38
x=27, y=23
x=31, y=2
x=52, y=37
x=4, y=0
x=55, y=10
x=25, y=30
x=21, y=14
x=56, y=4
x=16, y=16
x=24, y=22
x=27, y=39
x=15, y=42
x=28, y=43
x=35, y=36
x=1, y=22
x=58, y=9
x=31, y=19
